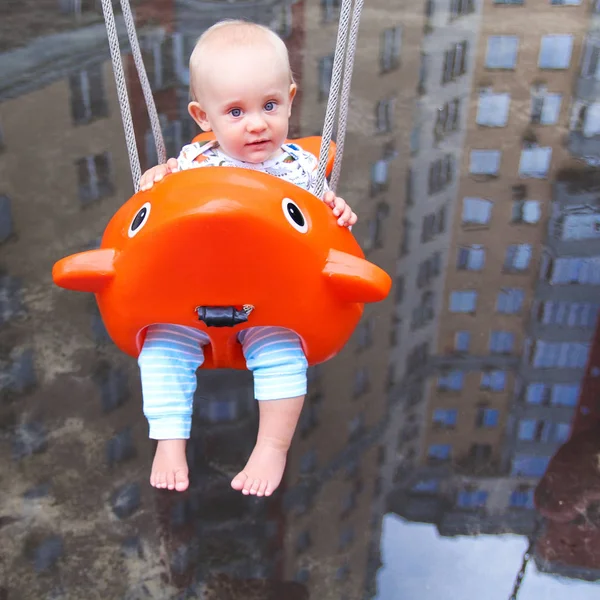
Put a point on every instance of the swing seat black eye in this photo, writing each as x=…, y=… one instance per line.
x=294, y=215
x=140, y=219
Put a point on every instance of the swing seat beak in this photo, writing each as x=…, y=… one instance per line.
x=89, y=271
x=355, y=279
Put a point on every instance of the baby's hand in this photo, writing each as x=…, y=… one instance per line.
x=347, y=217
x=157, y=173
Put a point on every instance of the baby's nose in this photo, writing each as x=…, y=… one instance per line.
x=256, y=123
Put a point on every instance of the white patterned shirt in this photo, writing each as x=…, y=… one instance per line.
x=294, y=164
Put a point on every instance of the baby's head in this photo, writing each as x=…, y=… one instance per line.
x=242, y=89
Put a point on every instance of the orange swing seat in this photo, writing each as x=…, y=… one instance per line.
x=222, y=249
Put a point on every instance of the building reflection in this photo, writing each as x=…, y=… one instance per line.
x=488, y=387
x=470, y=160
x=79, y=455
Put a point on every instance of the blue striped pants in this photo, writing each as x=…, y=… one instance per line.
x=172, y=353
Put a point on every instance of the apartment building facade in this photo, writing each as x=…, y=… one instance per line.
x=441, y=105
x=513, y=334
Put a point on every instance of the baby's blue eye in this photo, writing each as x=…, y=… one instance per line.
x=269, y=106
x=235, y=112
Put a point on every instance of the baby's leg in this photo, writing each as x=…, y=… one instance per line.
x=276, y=358
x=168, y=362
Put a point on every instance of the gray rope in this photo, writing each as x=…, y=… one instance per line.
x=345, y=100
x=115, y=54
x=159, y=141
x=336, y=77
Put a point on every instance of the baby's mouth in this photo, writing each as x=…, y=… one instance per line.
x=257, y=143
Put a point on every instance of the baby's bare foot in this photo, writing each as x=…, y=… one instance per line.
x=170, y=469
x=263, y=471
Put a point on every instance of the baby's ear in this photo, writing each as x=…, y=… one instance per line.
x=199, y=115
x=293, y=90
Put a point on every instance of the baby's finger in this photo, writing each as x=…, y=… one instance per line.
x=160, y=173
x=329, y=199
x=347, y=214
x=172, y=165
x=352, y=220
x=343, y=220
x=340, y=206
x=145, y=182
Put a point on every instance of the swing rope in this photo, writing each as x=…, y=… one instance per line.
x=115, y=55
x=334, y=91
x=159, y=142
x=345, y=50
x=345, y=99
x=117, y=64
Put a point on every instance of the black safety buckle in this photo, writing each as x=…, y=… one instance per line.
x=223, y=316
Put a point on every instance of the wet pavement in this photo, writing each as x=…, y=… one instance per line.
x=452, y=449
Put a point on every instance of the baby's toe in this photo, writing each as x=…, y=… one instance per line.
x=239, y=481
x=170, y=480
x=262, y=488
x=181, y=481
x=248, y=484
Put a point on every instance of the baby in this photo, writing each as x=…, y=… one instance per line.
x=242, y=89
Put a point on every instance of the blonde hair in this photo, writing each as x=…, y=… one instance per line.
x=233, y=31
